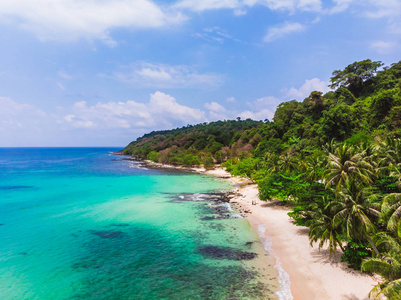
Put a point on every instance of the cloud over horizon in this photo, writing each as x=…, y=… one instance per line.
x=145, y=74
x=309, y=86
x=27, y=123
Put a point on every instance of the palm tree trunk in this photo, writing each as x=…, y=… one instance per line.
x=373, y=246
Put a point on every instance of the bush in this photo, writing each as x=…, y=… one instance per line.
x=245, y=167
x=152, y=156
x=208, y=163
x=354, y=253
x=230, y=163
x=285, y=186
x=190, y=160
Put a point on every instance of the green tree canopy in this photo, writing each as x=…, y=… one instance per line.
x=355, y=73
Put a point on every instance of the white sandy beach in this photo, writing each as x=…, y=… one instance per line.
x=311, y=273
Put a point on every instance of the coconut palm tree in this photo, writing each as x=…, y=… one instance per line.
x=388, y=266
x=322, y=227
x=391, y=211
x=269, y=161
x=346, y=164
x=389, y=152
x=314, y=167
x=357, y=209
x=393, y=147
x=286, y=162
x=330, y=147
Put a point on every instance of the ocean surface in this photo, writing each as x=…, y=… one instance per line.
x=80, y=223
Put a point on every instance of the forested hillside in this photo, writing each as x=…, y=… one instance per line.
x=365, y=106
x=194, y=145
x=334, y=157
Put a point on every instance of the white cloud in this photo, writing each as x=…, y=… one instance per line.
x=215, y=34
x=383, y=47
x=279, y=31
x=262, y=108
x=230, y=99
x=10, y=112
x=269, y=102
x=309, y=86
x=240, y=6
x=380, y=9
x=162, y=111
x=71, y=19
x=390, y=10
x=64, y=75
x=110, y=123
x=154, y=74
x=61, y=86
x=316, y=20
x=259, y=115
x=214, y=106
x=240, y=12
x=340, y=6
x=166, y=76
x=290, y=5
x=21, y=121
x=197, y=5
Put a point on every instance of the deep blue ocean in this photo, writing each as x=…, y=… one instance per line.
x=80, y=223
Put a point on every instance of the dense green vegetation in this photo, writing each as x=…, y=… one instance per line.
x=335, y=158
x=205, y=143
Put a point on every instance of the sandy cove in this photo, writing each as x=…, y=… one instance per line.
x=311, y=273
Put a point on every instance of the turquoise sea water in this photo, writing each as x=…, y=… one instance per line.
x=78, y=224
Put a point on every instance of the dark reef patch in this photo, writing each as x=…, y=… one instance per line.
x=215, y=252
x=149, y=263
x=119, y=224
x=15, y=187
x=106, y=234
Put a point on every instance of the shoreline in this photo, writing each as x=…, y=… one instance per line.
x=305, y=273
x=312, y=275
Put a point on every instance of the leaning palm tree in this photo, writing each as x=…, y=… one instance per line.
x=393, y=149
x=357, y=209
x=388, y=266
x=391, y=211
x=321, y=226
x=390, y=156
x=346, y=164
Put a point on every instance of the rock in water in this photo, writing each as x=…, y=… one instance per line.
x=215, y=252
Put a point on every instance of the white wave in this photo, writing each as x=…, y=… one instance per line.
x=283, y=277
x=227, y=206
x=236, y=216
x=198, y=197
x=135, y=165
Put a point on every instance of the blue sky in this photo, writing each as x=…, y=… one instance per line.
x=103, y=72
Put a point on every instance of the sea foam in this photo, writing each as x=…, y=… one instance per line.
x=283, y=277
